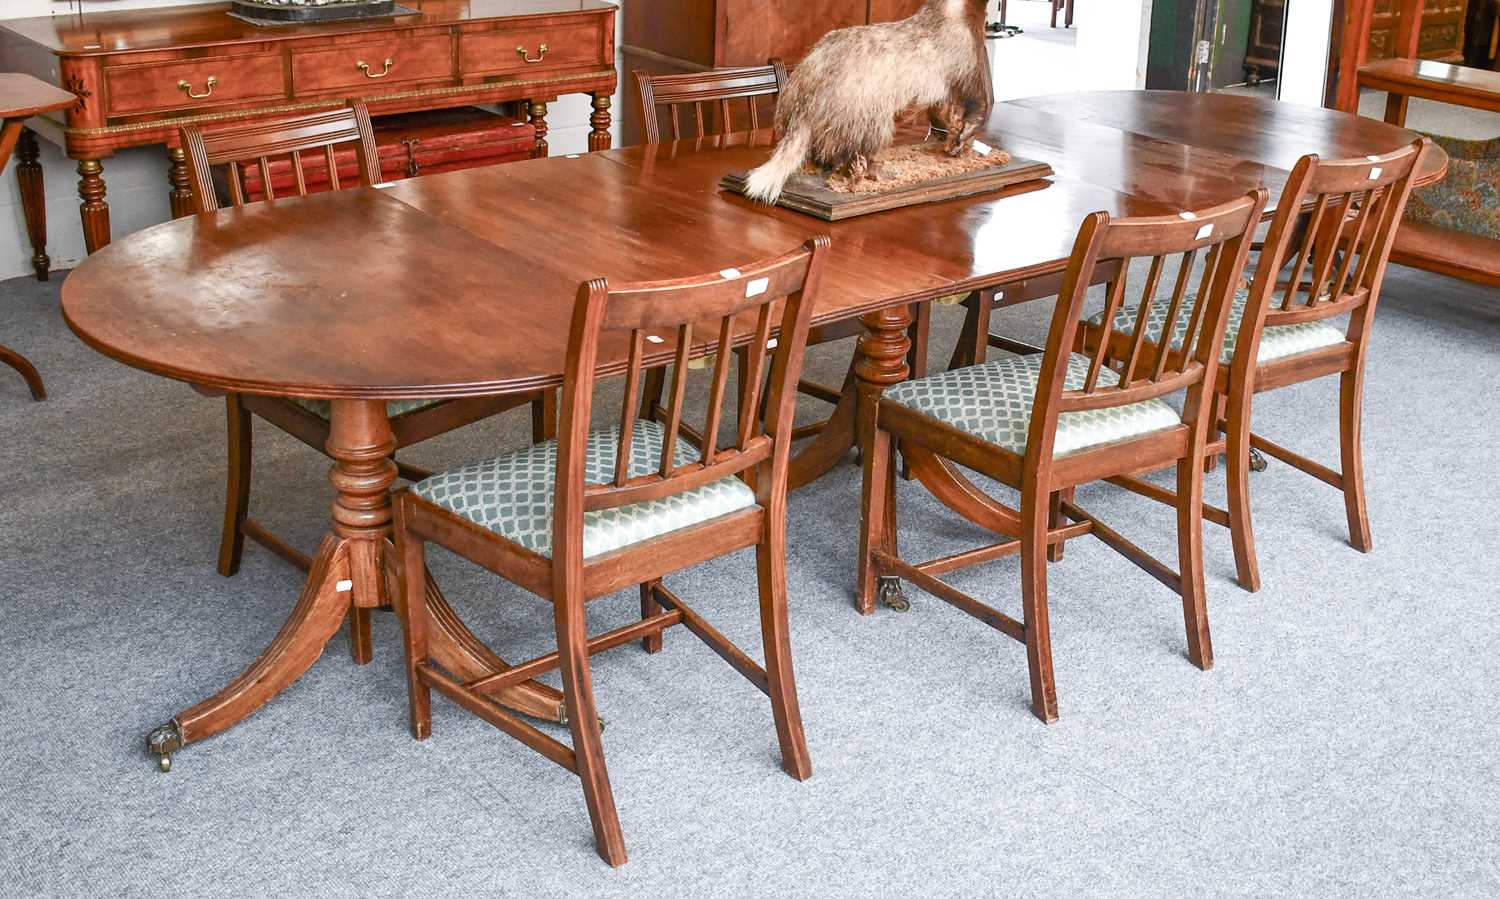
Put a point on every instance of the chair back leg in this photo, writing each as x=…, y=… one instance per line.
x=412, y=610
x=878, y=507
x=1035, y=510
x=1351, y=395
x=583, y=721
x=236, y=488
x=1237, y=469
x=1190, y=558
x=770, y=566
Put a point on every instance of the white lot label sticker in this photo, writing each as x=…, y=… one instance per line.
x=652, y=338
x=1204, y=231
x=1374, y=172
x=729, y=274
x=1187, y=216
x=343, y=586
x=757, y=287
x=982, y=148
x=771, y=344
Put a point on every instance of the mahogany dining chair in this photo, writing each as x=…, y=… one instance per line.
x=1046, y=423
x=1281, y=329
x=597, y=511
x=231, y=149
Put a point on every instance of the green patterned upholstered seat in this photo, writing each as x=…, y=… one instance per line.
x=324, y=409
x=1275, y=342
x=512, y=494
x=993, y=402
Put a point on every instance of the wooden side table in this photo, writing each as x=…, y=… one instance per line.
x=21, y=97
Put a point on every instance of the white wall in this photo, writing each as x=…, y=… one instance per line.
x=137, y=179
x=1304, y=52
x=1112, y=42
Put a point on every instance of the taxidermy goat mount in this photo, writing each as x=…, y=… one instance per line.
x=838, y=111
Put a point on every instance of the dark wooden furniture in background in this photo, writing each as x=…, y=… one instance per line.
x=1439, y=29
x=22, y=97
x=937, y=432
x=1263, y=50
x=754, y=463
x=1337, y=253
x=297, y=142
x=140, y=75
x=158, y=300
x=1458, y=254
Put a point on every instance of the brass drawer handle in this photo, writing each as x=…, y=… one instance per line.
x=365, y=67
x=208, y=86
x=526, y=56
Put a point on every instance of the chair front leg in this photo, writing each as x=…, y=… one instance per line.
x=1351, y=393
x=1034, y=516
x=583, y=721
x=236, y=488
x=770, y=565
x=1190, y=557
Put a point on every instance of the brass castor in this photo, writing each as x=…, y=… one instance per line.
x=892, y=595
x=162, y=742
x=1257, y=461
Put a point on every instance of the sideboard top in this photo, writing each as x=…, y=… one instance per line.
x=163, y=28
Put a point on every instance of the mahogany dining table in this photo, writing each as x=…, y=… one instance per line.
x=462, y=284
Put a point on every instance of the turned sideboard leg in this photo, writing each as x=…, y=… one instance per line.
x=33, y=201
x=94, y=211
x=177, y=176
x=538, y=112
x=599, y=138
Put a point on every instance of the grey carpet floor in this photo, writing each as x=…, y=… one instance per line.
x=1345, y=744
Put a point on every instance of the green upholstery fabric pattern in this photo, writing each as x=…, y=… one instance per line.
x=324, y=409
x=513, y=494
x=1468, y=199
x=1275, y=343
x=993, y=402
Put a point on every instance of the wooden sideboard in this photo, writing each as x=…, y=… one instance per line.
x=140, y=75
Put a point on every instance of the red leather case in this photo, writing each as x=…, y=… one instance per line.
x=411, y=144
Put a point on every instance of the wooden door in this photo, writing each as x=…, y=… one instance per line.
x=756, y=30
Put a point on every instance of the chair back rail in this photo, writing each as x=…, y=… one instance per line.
x=718, y=306
x=1337, y=251
x=260, y=143
x=1221, y=235
x=716, y=88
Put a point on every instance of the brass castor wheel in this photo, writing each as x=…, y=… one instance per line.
x=162, y=742
x=892, y=596
x=1257, y=461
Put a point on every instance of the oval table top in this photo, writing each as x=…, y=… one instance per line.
x=462, y=284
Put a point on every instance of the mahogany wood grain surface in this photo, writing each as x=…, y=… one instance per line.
x=463, y=284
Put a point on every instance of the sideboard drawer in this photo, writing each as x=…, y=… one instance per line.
x=373, y=65
x=492, y=53
x=154, y=87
